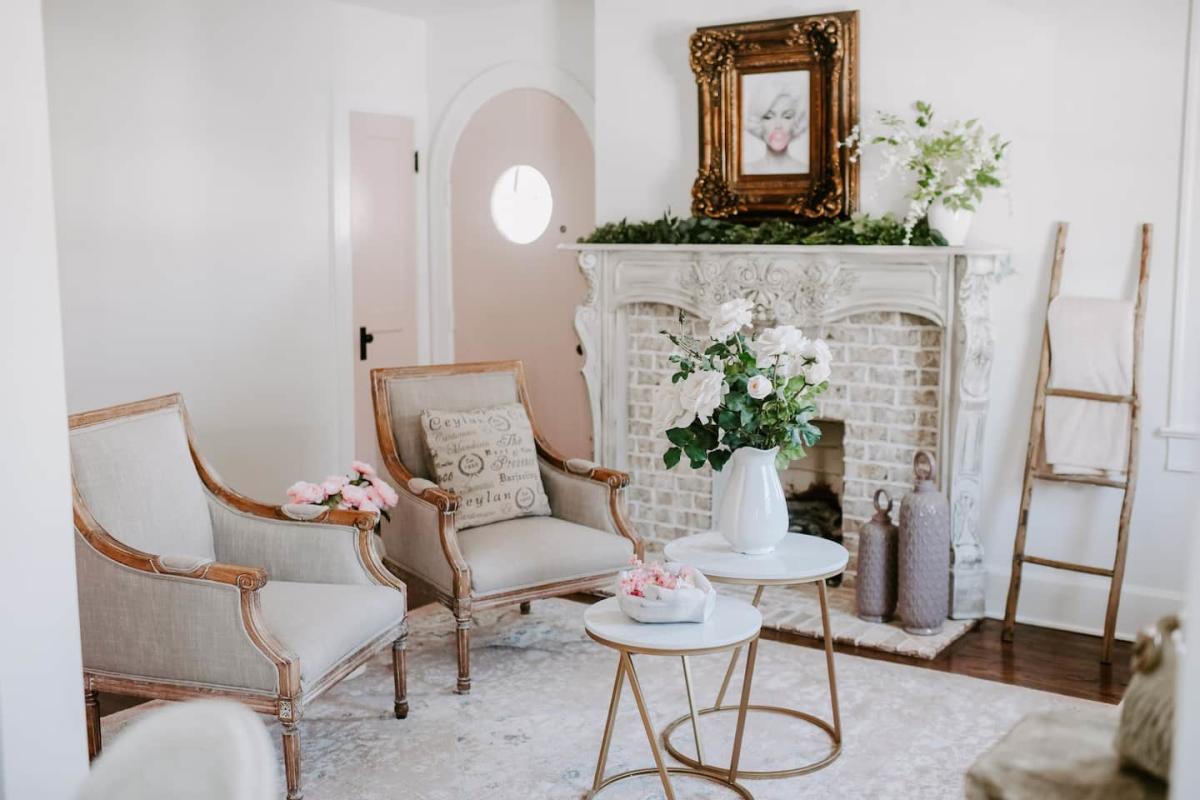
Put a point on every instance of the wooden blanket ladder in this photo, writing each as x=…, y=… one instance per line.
x=1036, y=469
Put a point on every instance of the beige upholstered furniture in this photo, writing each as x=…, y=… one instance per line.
x=188, y=589
x=200, y=750
x=580, y=547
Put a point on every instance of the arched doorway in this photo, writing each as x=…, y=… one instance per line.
x=513, y=292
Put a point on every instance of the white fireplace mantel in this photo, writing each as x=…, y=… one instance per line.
x=811, y=287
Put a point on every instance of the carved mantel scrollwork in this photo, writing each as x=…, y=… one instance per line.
x=784, y=291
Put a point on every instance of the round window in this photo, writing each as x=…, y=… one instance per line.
x=521, y=204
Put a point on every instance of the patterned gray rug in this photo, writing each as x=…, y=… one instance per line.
x=532, y=724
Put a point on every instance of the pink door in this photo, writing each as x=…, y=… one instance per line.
x=382, y=232
x=517, y=300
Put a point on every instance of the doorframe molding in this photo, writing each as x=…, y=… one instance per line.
x=461, y=108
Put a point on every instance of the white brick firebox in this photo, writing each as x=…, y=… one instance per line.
x=899, y=382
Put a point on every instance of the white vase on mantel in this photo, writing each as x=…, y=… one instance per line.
x=753, y=517
x=953, y=225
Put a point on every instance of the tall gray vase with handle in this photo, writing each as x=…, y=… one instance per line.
x=924, y=552
x=875, y=580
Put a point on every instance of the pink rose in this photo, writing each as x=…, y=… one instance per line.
x=373, y=496
x=354, y=495
x=305, y=492
x=363, y=468
x=386, y=492
x=333, y=484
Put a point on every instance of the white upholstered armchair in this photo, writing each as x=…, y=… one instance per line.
x=188, y=589
x=580, y=547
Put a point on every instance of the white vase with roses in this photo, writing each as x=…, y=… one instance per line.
x=745, y=398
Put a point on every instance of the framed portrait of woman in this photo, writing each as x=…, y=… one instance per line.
x=775, y=99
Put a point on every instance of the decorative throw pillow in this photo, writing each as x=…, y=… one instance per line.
x=1145, y=735
x=487, y=457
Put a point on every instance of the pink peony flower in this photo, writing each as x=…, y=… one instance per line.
x=367, y=505
x=363, y=468
x=373, y=496
x=354, y=495
x=386, y=493
x=333, y=484
x=305, y=492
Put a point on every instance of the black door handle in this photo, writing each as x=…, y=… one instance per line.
x=364, y=339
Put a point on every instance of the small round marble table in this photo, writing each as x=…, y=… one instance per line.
x=797, y=559
x=734, y=623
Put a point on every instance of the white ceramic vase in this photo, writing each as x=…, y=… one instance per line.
x=953, y=225
x=753, y=516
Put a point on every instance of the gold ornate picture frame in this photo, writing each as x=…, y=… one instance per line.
x=776, y=98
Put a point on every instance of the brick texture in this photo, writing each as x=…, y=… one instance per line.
x=885, y=389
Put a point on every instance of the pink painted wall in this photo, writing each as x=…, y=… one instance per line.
x=518, y=300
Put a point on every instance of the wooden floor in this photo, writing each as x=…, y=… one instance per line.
x=1037, y=658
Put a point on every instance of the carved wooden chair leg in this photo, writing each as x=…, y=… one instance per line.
x=400, y=666
x=526, y=606
x=291, y=758
x=91, y=702
x=464, y=654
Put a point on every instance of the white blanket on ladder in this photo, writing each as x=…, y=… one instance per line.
x=1091, y=350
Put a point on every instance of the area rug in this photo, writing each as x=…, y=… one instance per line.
x=531, y=726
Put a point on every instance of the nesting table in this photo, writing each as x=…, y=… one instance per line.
x=798, y=559
x=734, y=624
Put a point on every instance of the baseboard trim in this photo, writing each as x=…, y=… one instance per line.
x=1076, y=603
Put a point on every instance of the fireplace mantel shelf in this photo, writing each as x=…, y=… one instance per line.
x=811, y=286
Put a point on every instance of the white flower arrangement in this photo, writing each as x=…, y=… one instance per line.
x=741, y=390
x=953, y=165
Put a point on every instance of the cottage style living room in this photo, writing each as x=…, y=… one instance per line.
x=600, y=399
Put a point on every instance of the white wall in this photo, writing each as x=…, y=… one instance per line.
x=43, y=749
x=466, y=44
x=1095, y=141
x=200, y=173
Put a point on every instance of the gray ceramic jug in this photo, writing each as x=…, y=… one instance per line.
x=875, y=581
x=924, y=552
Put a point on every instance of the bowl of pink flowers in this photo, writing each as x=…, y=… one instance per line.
x=665, y=592
x=361, y=490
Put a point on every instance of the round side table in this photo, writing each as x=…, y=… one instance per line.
x=734, y=623
x=797, y=559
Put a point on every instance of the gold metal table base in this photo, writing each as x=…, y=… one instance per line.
x=709, y=776
x=833, y=730
x=725, y=777
x=750, y=774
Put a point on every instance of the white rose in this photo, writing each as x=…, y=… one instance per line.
x=817, y=372
x=730, y=318
x=815, y=348
x=668, y=411
x=776, y=343
x=759, y=387
x=701, y=392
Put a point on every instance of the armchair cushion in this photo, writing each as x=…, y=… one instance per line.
x=137, y=477
x=536, y=550
x=486, y=456
x=322, y=623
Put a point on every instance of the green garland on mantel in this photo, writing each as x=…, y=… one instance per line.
x=860, y=229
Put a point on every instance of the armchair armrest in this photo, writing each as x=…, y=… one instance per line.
x=585, y=493
x=421, y=537
x=175, y=618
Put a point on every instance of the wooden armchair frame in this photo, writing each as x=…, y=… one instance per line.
x=286, y=704
x=462, y=601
